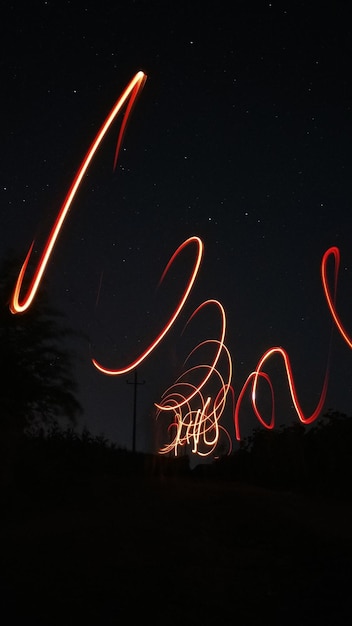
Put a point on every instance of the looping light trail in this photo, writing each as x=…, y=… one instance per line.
x=253, y=378
x=258, y=373
x=129, y=94
x=196, y=415
x=218, y=353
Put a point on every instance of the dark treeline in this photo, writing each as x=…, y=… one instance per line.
x=62, y=464
x=37, y=372
x=312, y=460
x=90, y=524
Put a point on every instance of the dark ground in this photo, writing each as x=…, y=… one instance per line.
x=175, y=550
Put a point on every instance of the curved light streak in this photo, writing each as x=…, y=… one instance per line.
x=335, y=253
x=236, y=418
x=258, y=373
x=253, y=378
x=174, y=316
x=291, y=384
x=217, y=355
x=130, y=92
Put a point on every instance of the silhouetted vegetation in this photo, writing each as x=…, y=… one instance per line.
x=56, y=465
x=315, y=459
x=37, y=380
x=94, y=526
x=61, y=463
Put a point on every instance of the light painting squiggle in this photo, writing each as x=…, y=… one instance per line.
x=195, y=412
x=196, y=420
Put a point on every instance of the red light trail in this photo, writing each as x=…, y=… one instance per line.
x=335, y=253
x=129, y=95
x=177, y=311
x=195, y=411
x=253, y=380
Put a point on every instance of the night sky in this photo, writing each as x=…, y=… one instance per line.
x=240, y=136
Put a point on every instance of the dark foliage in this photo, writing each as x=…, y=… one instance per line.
x=37, y=384
x=89, y=528
x=58, y=465
x=315, y=460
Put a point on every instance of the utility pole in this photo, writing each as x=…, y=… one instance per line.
x=135, y=383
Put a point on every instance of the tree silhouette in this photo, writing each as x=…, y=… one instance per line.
x=314, y=459
x=36, y=367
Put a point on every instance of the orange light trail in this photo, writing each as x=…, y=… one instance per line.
x=196, y=420
x=131, y=93
x=217, y=356
x=195, y=410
